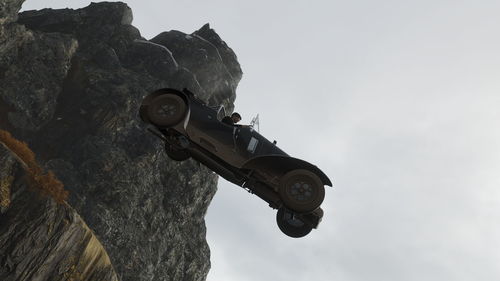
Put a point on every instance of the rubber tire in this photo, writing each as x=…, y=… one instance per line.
x=179, y=109
x=143, y=114
x=291, y=227
x=143, y=110
x=176, y=154
x=312, y=180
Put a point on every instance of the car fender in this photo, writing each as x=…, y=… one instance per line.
x=284, y=164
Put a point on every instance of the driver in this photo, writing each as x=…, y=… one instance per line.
x=233, y=119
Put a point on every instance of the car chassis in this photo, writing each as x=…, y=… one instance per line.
x=192, y=129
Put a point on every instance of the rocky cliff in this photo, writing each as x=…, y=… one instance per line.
x=71, y=85
x=41, y=239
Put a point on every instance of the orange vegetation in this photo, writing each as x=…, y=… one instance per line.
x=47, y=183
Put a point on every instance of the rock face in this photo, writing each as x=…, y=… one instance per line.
x=72, y=82
x=43, y=240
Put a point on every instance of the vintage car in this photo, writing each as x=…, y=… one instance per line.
x=192, y=129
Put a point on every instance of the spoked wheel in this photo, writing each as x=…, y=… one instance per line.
x=143, y=111
x=176, y=154
x=301, y=191
x=291, y=225
x=165, y=110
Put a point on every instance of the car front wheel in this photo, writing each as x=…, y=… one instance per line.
x=291, y=225
x=301, y=191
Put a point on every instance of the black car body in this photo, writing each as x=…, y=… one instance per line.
x=192, y=129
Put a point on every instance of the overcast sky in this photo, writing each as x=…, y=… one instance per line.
x=397, y=101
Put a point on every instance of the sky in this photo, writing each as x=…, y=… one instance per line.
x=396, y=101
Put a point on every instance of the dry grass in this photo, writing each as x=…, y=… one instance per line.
x=5, y=191
x=47, y=183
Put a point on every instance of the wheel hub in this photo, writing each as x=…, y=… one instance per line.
x=301, y=191
x=292, y=220
x=167, y=110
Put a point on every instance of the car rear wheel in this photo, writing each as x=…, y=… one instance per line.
x=166, y=110
x=143, y=110
x=291, y=225
x=143, y=113
x=301, y=191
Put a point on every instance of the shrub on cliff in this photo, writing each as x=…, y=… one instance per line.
x=46, y=183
